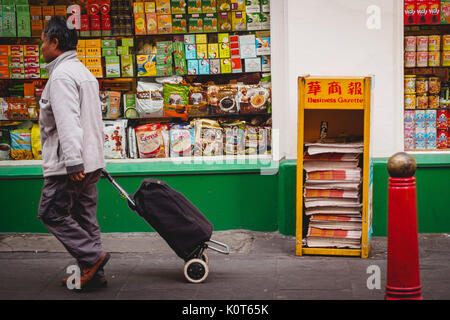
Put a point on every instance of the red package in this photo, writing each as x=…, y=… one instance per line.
x=442, y=139
x=84, y=22
x=434, y=12
x=106, y=22
x=410, y=12
x=95, y=23
x=422, y=12
x=442, y=119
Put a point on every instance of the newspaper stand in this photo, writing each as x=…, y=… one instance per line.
x=344, y=103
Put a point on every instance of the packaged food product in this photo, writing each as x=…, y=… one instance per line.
x=110, y=103
x=431, y=138
x=178, y=6
x=410, y=59
x=36, y=142
x=445, y=12
x=410, y=12
x=253, y=98
x=434, y=43
x=410, y=43
x=222, y=99
x=434, y=85
x=434, y=59
x=234, y=138
x=446, y=58
x=442, y=119
x=194, y=6
x=146, y=65
x=181, y=140
x=419, y=118
x=165, y=130
x=442, y=139
x=5, y=144
x=149, y=100
x=115, y=145
x=251, y=140
x=224, y=21
x=163, y=7
x=164, y=22
x=410, y=101
x=409, y=144
x=430, y=118
x=422, y=59
x=208, y=138
x=21, y=144
x=433, y=101
x=209, y=6
x=198, y=100
x=422, y=43
x=410, y=83
x=238, y=21
x=421, y=85
x=422, y=101
x=175, y=100
x=446, y=42
x=131, y=142
x=409, y=119
x=223, y=5
x=150, y=141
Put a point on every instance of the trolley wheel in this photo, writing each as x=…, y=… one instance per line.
x=205, y=258
x=196, y=270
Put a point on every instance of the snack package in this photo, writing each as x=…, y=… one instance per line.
x=165, y=130
x=222, y=99
x=198, y=100
x=36, y=142
x=149, y=100
x=234, y=138
x=115, y=145
x=181, y=140
x=132, y=146
x=175, y=100
x=21, y=144
x=208, y=138
x=5, y=144
x=253, y=98
x=110, y=102
x=150, y=141
x=251, y=140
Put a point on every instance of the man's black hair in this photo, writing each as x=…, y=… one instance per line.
x=57, y=29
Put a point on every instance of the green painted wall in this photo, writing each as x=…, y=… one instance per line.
x=256, y=196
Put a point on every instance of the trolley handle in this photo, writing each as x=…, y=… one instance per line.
x=122, y=192
x=226, y=249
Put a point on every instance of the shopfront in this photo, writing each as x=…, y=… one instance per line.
x=256, y=189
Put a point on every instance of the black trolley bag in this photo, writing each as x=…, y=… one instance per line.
x=185, y=229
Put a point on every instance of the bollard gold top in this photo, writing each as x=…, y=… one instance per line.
x=401, y=165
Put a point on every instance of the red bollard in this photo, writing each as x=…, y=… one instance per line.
x=403, y=279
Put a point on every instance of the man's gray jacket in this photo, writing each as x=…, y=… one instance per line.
x=70, y=119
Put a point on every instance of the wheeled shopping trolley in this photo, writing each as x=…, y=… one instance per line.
x=185, y=229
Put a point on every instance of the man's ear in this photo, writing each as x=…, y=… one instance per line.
x=55, y=42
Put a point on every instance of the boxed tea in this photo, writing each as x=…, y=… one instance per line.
x=195, y=22
x=253, y=21
x=209, y=6
x=214, y=66
x=164, y=22
x=247, y=45
x=23, y=21
x=252, y=6
x=94, y=61
x=139, y=24
x=265, y=63
x=238, y=5
x=126, y=65
x=189, y=38
x=238, y=21
x=150, y=7
x=179, y=23
x=224, y=21
x=253, y=65
x=265, y=5
x=201, y=38
x=262, y=46
x=180, y=67
x=213, y=50
x=31, y=50
x=194, y=6
x=178, y=6
x=164, y=70
x=164, y=47
x=129, y=106
x=236, y=65
x=223, y=5
x=190, y=51
x=224, y=50
x=163, y=7
x=203, y=66
x=163, y=60
x=265, y=20
x=110, y=43
x=202, y=51
x=192, y=66
x=225, y=65
x=9, y=21
x=210, y=22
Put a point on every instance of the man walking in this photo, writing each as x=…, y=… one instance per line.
x=72, y=151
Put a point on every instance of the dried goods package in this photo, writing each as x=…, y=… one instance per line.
x=181, y=140
x=150, y=141
x=208, y=138
x=149, y=100
x=115, y=145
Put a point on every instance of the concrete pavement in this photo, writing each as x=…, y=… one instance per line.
x=261, y=266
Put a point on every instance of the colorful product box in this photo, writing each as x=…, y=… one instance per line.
x=93, y=61
x=96, y=26
x=236, y=65
x=265, y=21
x=181, y=67
x=93, y=52
x=431, y=138
x=4, y=50
x=23, y=21
x=223, y=5
x=31, y=61
x=209, y=6
x=163, y=7
x=108, y=52
x=9, y=21
x=223, y=37
x=4, y=73
x=262, y=46
x=265, y=63
x=253, y=65
x=164, y=23
x=224, y=50
x=434, y=13
x=224, y=21
x=445, y=12
x=203, y=66
x=442, y=119
x=178, y=6
x=238, y=21
x=162, y=60
x=201, y=39
x=179, y=23
x=195, y=22
x=31, y=50
x=127, y=42
x=15, y=50
x=150, y=7
x=16, y=62
x=419, y=118
x=237, y=5
x=430, y=118
x=123, y=50
x=17, y=73
x=140, y=24
x=253, y=21
x=110, y=43
x=164, y=47
x=214, y=66
x=189, y=39
x=93, y=43
x=225, y=65
x=213, y=50
x=190, y=51
x=247, y=45
x=421, y=12
x=96, y=71
x=252, y=6
x=146, y=65
x=81, y=52
x=192, y=66
x=126, y=65
x=32, y=73
x=152, y=23
x=163, y=71
x=112, y=66
x=194, y=6
x=4, y=61
x=85, y=28
x=409, y=143
x=265, y=6
x=202, y=51
x=210, y=22
x=442, y=139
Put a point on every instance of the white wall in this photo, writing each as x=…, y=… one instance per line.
x=331, y=37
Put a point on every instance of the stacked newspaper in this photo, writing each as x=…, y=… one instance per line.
x=332, y=194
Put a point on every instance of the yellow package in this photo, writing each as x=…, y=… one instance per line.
x=36, y=142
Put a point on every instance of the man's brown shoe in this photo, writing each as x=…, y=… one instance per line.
x=88, y=273
x=95, y=282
